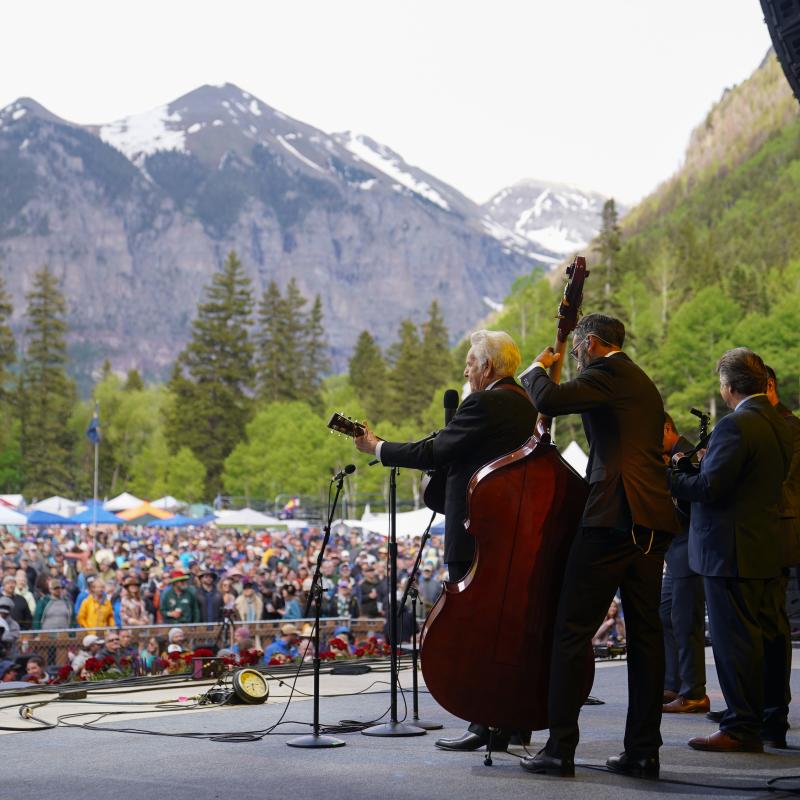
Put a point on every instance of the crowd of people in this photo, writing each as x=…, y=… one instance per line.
x=125, y=578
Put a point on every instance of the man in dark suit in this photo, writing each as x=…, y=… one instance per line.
x=626, y=527
x=777, y=640
x=735, y=542
x=495, y=419
x=682, y=610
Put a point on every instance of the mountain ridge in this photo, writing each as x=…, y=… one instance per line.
x=134, y=216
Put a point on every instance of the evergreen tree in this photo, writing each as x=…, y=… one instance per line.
x=609, y=243
x=7, y=346
x=10, y=456
x=214, y=374
x=273, y=367
x=406, y=396
x=294, y=325
x=437, y=366
x=291, y=351
x=368, y=376
x=315, y=356
x=133, y=381
x=47, y=394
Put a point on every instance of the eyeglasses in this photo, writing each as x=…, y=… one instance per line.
x=111, y=641
x=574, y=351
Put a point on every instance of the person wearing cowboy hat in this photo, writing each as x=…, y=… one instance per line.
x=178, y=602
x=131, y=609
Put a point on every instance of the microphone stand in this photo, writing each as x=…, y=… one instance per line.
x=413, y=591
x=315, y=740
x=393, y=727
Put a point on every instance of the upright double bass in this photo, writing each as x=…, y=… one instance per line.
x=487, y=641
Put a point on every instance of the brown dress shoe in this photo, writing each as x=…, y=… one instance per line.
x=683, y=705
x=721, y=742
x=669, y=696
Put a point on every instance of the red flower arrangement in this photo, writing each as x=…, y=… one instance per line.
x=100, y=669
x=249, y=658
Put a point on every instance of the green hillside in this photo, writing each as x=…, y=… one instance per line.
x=709, y=261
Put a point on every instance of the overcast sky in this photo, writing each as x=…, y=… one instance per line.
x=598, y=93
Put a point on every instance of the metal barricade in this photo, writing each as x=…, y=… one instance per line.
x=55, y=645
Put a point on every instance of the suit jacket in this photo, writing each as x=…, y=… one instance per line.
x=487, y=424
x=677, y=556
x=790, y=498
x=735, y=529
x=623, y=417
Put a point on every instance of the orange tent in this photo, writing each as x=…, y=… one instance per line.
x=146, y=510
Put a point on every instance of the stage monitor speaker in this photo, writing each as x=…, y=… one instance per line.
x=783, y=21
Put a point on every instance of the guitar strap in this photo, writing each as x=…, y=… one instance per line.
x=514, y=387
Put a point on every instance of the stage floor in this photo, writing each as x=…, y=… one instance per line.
x=73, y=763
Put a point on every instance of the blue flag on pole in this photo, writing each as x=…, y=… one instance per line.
x=93, y=431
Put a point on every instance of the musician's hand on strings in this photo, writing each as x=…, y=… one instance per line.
x=368, y=442
x=676, y=458
x=548, y=357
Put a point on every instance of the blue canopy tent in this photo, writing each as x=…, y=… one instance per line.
x=45, y=518
x=178, y=521
x=96, y=515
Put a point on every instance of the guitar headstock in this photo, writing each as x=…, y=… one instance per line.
x=570, y=308
x=345, y=425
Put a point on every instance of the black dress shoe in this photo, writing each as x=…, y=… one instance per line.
x=714, y=716
x=775, y=740
x=544, y=764
x=635, y=767
x=473, y=741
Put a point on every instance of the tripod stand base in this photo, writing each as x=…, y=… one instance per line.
x=427, y=725
x=394, y=729
x=312, y=740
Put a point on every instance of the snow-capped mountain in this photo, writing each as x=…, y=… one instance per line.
x=551, y=216
x=135, y=215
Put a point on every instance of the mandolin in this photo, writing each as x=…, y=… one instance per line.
x=346, y=426
x=433, y=482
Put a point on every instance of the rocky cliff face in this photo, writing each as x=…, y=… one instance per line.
x=135, y=216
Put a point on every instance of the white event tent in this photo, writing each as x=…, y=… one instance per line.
x=122, y=502
x=58, y=505
x=169, y=503
x=12, y=500
x=10, y=517
x=247, y=518
x=409, y=523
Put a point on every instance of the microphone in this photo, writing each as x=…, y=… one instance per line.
x=348, y=470
x=450, y=403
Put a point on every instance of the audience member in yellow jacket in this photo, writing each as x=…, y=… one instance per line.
x=95, y=610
